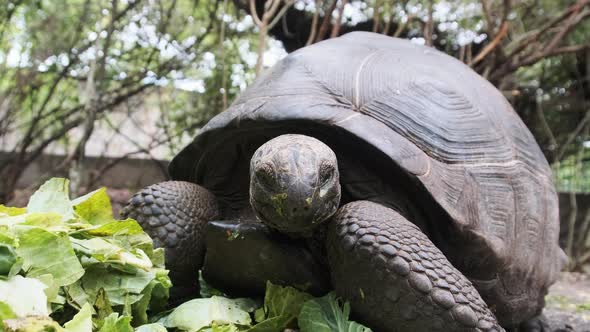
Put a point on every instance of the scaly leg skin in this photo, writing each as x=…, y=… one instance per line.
x=261, y=255
x=395, y=278
x=174, y=214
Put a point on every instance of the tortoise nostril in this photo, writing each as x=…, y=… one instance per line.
x=294, y=209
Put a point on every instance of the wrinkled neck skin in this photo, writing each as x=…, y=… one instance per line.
x=294, y=184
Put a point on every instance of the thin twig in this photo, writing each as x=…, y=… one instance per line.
x=336, y=27
x=492, y=45
x=429, y=26
x=326, y=22
x=401, y=27
x=376, y=15
x=314, y=23
x=572, y=136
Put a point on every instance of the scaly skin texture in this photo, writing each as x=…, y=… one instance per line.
x=395, y=278
x=175, y=214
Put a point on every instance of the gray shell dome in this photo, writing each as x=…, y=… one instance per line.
x=427, y=124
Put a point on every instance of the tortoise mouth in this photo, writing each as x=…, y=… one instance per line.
x=298, y=218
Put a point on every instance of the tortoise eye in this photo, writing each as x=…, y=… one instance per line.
x=326, y=173
x=264, y=175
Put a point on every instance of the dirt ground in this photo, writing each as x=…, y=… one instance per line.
x=568, y=303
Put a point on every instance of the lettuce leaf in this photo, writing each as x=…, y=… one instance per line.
x=24, y=296
x=116, y=323
x=11, y=211
x=45, y=252
x=98, y=273
x=82, y=321
x=282, y=306
x=8, y=258
x=53, y=196
x=154, y=327
x=94, y=207
x=327, y=314
x=196, y=314
x=32, y=324
x=75, y=258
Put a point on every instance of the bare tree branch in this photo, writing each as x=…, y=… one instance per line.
x=336, y=27
x=314, y=23
x=429, y=26
x=492, y=45
x=326, y=22
x=376, y=15
x=401, y=27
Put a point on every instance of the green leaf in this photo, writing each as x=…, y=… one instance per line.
x=199, y=313
x=103, y=307
x=282, y=306
x=52, y=289
x=44, y=252
x=106, y=251
x=32, y=324
x=50, y=221
x=94, y=207
x=221, y=328
x=326, y=314
x=25, y=296
x=12, y=211
x=160, y=292
x=155, y=327
x=259, y=315
x=5, y=312
x=120, y=287
x=88, y=259
x=6, y=235
x=10, y=221
x=140, y=315
x=76, y=295
x=82, y=321
x=158, y=257
x=52, y=196
x=114, y=323
x=115, y=228
x=7, y=259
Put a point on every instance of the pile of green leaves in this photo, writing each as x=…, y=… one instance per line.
x=68, y=265
x=70, y=262
x=284, y=308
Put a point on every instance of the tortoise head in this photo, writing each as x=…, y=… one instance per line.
x=294, y=183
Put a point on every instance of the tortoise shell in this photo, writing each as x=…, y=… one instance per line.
x=415, y=129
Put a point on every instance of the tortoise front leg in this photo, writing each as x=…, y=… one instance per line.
x=174, y=214
x=394, y=276
x=241, y=257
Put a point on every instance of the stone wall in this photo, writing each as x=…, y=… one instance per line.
x=127, y=173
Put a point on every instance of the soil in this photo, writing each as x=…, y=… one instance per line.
x=568, y=303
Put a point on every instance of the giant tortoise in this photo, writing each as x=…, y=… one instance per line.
x=385, y=170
